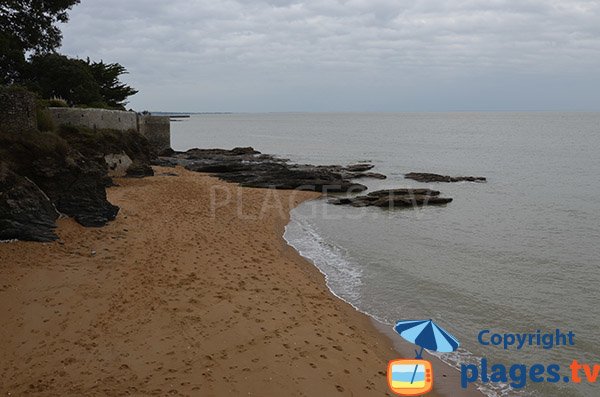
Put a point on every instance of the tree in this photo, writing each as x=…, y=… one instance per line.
x=28, y=26
x=54, y=75
x=12, y=60
x=78, y=82
x=113, y=92
x=32, y=23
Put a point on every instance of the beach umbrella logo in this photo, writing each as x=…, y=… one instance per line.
x=415, y=377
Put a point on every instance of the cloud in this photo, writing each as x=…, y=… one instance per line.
x=270, y=55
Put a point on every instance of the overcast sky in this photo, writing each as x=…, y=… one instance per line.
x=347, y=55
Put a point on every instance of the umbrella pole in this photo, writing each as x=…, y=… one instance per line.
x=419, y=356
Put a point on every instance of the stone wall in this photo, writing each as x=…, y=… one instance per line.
x=157, y=129
x=95, y=118
x=17, y=110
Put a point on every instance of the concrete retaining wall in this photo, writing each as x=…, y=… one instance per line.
x=95, y=118
x=157, y=129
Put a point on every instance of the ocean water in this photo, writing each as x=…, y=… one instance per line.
x=517, y=254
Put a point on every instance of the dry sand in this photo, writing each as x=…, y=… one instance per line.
x=174, y=298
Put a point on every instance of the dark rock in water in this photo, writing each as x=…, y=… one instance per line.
x=166, y=153
x=74, y=183
x=26, y=213
x=219, y=166
x=200, y=154
x=404, y=192
x=248, y=167
x=394, y=198
x=362, y=167
x=276, y=175
x=427, y=177
x=237, y=151
x=374, y=175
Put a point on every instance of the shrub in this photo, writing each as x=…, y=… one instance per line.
x=45, y=122
x=92, y=143
x=57, y=103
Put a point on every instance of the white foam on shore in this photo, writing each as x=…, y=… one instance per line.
x=342, y=276
x=343, y=279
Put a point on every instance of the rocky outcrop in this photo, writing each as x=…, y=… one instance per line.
x=139, y=169
x=428, y=177
x=394, y=198
x=248, y=167
x=118, y=164
x=72, y=182
x=115, y=147
x=26, y=213
x=355, y=171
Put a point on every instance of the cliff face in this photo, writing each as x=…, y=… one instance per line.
x=98, y=144
x=43, y=174
x=46, y=173
x=26, y=213
x=74, y=184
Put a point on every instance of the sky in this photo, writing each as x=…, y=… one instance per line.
x=346, y=55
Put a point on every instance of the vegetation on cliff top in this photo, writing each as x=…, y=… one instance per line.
x=30, y=28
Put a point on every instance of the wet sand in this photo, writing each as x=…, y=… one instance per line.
x=191, y=291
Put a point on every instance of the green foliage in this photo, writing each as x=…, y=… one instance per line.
x=12, y=60
x=44, y=119
x=92, y=143
x=54, y=75
x=78, y=82
x=45, y=122
x=31, y=24
x=35, y=144
x=28, y=26
x=113, y=92
x=57, y=103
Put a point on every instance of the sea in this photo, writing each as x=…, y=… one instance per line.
x=518, y=254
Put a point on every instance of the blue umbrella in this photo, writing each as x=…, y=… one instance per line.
x=427, y=335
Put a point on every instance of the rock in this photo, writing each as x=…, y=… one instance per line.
x=237, y=151
x=427, y=177
x=166, y=152
x=248, y=167
x=283, y=176
x=72, y=182
x=203, y=154
x=118, y=164
x=127, y=153
x=374, y=175
x=359, y=167
x=139, y=169
x=353, y=171
x=394, y=198
x=26, y=213
x=404, y=192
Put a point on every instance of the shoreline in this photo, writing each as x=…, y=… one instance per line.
x=167, y=300
x=447, y=386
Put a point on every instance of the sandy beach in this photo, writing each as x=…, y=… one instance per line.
x=190, y=291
